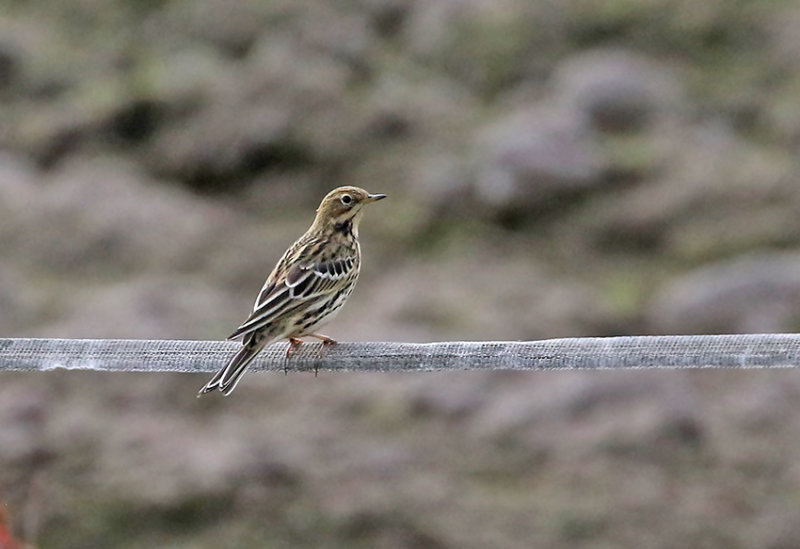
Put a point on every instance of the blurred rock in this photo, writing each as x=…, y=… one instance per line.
x=266, y=117
x=659, y=410
x=709, y=194
x=51, y=132
x=24, y=416
x=534, y=155
x=18, y=188
x=389, y=16
x=135, y=120
x=94, y=214
x=444, y=179
x=400, y=108
x=146, y=308
x=662, y=414
x=494, y=299
x=26, y=450
x=186, y=80
x=18, y=182
x=761, y=403
x=217, y=150
x=386, y=530
x=341, y=35
x=211, y=468
x=17, y=300
x=231, y=26
x=617, y=90
x=750, y=294
x=460, y=398
x=779, y=28
x=486, y=46
x=10, y=63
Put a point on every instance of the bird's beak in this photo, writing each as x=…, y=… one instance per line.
x=375, y=197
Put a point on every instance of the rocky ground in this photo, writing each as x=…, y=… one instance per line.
x=577, y=168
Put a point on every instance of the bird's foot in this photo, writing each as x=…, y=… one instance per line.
x=293, y=344
x=325, y=342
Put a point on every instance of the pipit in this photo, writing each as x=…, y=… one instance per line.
x=306, y=288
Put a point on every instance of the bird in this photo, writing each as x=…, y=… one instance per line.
x=307, y=287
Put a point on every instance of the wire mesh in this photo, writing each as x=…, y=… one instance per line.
x=688, y=351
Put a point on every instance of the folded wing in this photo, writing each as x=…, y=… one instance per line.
x=303, y=283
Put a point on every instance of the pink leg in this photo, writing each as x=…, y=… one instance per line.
x=325, y=342
x=325, y=339
x=293, y=343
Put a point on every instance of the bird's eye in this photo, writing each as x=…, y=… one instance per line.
x=346, y=199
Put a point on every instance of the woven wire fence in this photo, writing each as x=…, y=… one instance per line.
x=132, y=355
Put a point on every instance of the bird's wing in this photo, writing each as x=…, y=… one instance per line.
x=303, y=282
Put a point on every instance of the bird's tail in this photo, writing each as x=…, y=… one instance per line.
x=227, y=377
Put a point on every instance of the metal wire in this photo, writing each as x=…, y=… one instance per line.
x=132, y=355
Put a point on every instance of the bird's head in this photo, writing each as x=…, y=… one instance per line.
x=342, y=208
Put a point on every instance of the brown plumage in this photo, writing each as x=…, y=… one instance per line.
x=307, y=287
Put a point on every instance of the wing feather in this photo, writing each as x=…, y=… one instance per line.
x=303, y=283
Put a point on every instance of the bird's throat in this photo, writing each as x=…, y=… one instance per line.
x=344, y=227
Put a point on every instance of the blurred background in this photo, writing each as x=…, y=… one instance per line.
x=554, y=169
